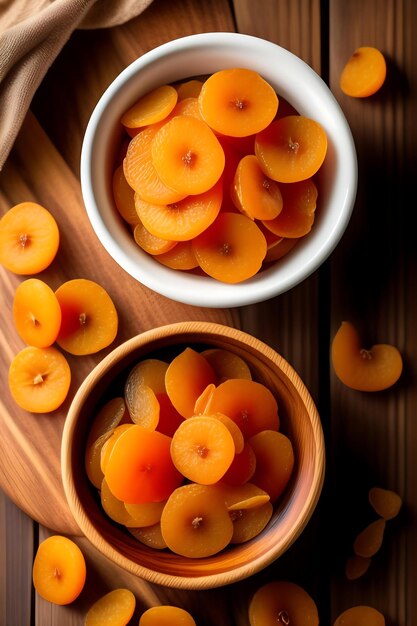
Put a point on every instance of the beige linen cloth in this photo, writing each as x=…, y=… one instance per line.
x=32, y=33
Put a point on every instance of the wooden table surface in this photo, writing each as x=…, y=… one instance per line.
x=369, y=279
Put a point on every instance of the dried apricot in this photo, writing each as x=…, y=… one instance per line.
x=291, y=149
x=364, y=73
x=360, y=616
x=256, y=195
x=36, y=313
x=298, y=211
x=385, y=502
x=140, y=468
x=166, y=616
x=89, y=317
x=116, y=608
x=237, y=102
x=364, y=370
x=151, y=108
x=195, y=522
x=202, y=449
x=231, y=249
x=282, y=602
x=356, y=566
x=29, y=238
x=187, y=155
x=39, y=379
x=187, y=376
x=140, y=172
x=369, y=541
x=274, y=461
x=248, y=403
x=182, y=220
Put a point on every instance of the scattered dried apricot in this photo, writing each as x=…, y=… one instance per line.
x=36, y=313
x=89, y=317
x=39, y=379
x=116, y=608
x=59, y=570
x=29, y=238
x=385, y=502
x=369, y=541
x=364, y=73
x=166, y=616
x=364, y=370
x=282, y=602
x=360, y=616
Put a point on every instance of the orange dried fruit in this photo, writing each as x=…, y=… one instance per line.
x=151, y=243
x=114, y=507
x=256, y=195
x=282, y=602
x=150, y=536
x=188, y=106
x=274, y=462
x=356, y=566
x=166, y=616
x=187, y=155
x=187, y=376
x=249, y=522
x=364, y=370
x=140, y=468
x=291, y=149
x=237, y=102
x=124, y=197
x=251, y=405
x=360, y=616
x=385, y=502
x=116, y=608
x=280, y=249
x=242, y=468
x=59, y=570
x=203, y=399
x=29, y=238
x=108, y=417
x=182, y=220
x=227, y=364
x=231, y=249
x=151, y=108
x=89, y=317
x=108, y=445
x=202, y=449
x=364, y=72
x=368, y=542
x=299, y=206
x=195, y=522
x=140, y=172
x=36, y=313
x=181, y=257
x=189, y=89
x=39, y=379
x=145, y=513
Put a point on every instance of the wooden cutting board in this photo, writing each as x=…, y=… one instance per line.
x=30, y=444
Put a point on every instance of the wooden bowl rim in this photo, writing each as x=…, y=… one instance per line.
x=77, y=509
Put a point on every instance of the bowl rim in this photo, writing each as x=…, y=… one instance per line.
x=207, y=581
x=202, y=290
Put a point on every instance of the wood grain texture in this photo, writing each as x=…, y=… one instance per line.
x=16, y=550
x=374, y=436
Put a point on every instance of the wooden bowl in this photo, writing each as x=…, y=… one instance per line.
x=299, y=420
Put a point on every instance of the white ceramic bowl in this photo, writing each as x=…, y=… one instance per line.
x=204, y=54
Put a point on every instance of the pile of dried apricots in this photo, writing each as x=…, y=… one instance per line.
x=215, y=178
x=191, y=456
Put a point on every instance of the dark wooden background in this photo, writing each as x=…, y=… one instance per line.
x=370, y=280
